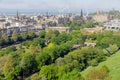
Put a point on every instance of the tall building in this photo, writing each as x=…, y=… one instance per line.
x=81, y=15
x=17, y=16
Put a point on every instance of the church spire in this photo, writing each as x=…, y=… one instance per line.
x=81, y=15
x=17, y=15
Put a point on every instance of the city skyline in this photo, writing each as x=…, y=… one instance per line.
x=60, y=4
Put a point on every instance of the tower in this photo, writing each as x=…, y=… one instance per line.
x=81, y=15
x=17, y=15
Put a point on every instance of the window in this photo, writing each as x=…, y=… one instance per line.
x=117, y=28
x=113, y=28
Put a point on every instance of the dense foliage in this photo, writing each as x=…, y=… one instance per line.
x=16, y=38
x=51, y=55
x=79, y=24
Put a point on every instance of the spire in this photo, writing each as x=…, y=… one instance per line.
x=81, y=15
x=17, y=15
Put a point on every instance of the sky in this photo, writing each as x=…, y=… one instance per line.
x=59, y=4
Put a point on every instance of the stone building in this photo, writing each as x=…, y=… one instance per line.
x=87, y=44
x=101, y=17
x=60, y=29
x=92, y=30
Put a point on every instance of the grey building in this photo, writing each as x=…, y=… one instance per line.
x=11, y=29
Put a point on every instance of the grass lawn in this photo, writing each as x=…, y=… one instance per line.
x=113, y=63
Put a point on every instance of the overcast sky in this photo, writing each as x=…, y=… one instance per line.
x=59, y=4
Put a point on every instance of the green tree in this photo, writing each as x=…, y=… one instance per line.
x=111, y=49
x=49, y=71
x=28, y=64
x=56, y=32
x=26, y=43
x=114, y=48
x=62, y=38
x=23, y=36
x=1, y=41
x=35, y=77
x=9, y=68
x=89, y=24
x=78, y=37
x=63, y=70
x=3, y=59
x=105, y=42
x=35, y=49
x=38, y=41
x=15, y=35
x=60, y=61
x=51, y=34
x=73, y=75
x=43, y=58
x=31, y=34
x=75, y=25
x=42, y=34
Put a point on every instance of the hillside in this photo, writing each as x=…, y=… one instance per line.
x=113, y=63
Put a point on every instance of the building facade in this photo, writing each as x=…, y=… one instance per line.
x=60, y=29
x=113, y=25
x=101, y=17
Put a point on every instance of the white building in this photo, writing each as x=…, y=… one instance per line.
x=113, y=25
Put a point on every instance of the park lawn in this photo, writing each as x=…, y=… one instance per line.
x=112, y=62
